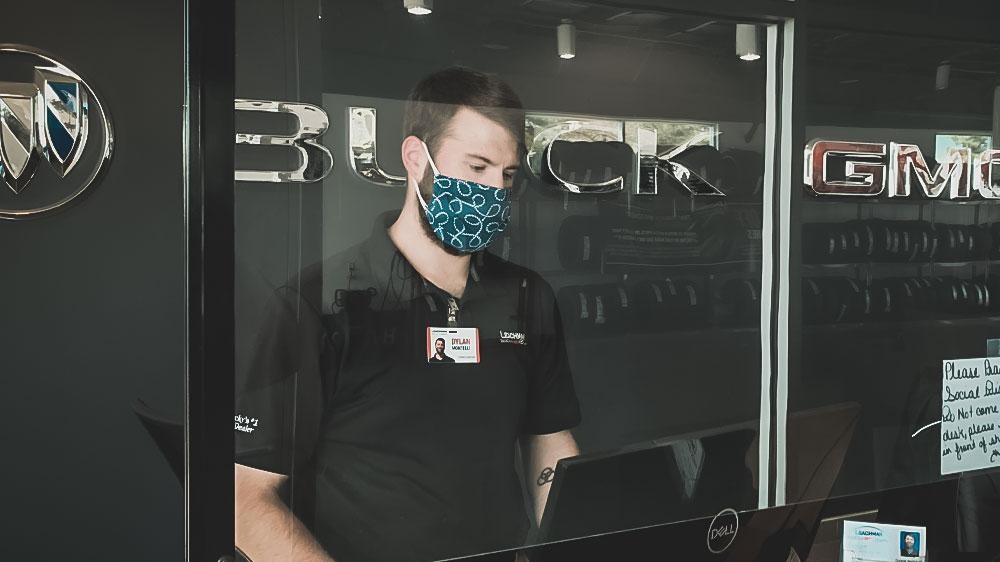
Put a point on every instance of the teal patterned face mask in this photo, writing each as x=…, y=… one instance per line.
x=465, y=215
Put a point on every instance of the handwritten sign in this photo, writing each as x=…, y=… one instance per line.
x=970, y=415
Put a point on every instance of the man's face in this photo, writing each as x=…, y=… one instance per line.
x=908, y=539
x=439, y=346
x=476, y=148
x=473, y=147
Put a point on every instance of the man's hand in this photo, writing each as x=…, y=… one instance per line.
x=544, y=451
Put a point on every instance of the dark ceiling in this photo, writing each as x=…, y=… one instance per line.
x=852, y=72
x=628, y=62
x=649, y=63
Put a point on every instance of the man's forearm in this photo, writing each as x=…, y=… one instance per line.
x=266, y=531
x=542, y=473
x=545, y=452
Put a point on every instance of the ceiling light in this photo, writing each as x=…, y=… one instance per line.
x=746, y=41
x=419, y=7
x=943, y=76
x=566, y=39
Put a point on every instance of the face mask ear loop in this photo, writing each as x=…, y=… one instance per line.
x=416, y=187
x=433, y=169
x=430, y=160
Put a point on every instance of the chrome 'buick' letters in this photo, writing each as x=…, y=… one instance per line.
x=316, y=161
x=862, y=171
x=48, y=118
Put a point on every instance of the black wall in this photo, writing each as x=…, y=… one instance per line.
x=92, y=302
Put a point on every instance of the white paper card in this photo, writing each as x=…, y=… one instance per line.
x=452, y=345
x=881, y=542
x=970, y=414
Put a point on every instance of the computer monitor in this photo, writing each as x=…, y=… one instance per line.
x=649, y=483
x=693, y=476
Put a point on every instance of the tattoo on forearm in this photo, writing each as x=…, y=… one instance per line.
x=546, y=476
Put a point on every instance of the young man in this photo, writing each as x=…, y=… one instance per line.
x=366, y=451
x=439, y=355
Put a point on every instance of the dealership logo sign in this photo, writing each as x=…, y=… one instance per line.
x=48, y=115
x=645, y=166
x=722, y=531
x=842, y=168
x=862, y=169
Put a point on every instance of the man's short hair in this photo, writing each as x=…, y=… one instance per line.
x=438, y=340
x=435, y=100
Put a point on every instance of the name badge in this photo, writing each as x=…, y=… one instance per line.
x=881, y=542
x=452, y=345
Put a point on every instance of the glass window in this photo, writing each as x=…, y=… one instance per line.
x=521, y=301
x=895, y=280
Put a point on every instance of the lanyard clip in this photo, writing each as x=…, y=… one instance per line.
x=452, y=312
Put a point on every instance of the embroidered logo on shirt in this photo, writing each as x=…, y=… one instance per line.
x=512, y=337
x=245, y=424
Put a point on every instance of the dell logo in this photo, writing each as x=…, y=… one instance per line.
x=47, y=113
x=722, y=531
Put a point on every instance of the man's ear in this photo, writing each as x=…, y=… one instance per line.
x=414, y=157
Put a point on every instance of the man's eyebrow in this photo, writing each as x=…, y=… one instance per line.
x=489, y=162
x=485, y=160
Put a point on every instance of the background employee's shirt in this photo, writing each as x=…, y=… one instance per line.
x=392, y=457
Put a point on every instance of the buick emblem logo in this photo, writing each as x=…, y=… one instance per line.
x=55, y=135
x=722, y=531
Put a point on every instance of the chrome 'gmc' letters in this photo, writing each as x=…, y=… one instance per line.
x=862, y=171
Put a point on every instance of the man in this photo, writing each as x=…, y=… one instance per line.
x=439, y=354
x=365, y=451
x=909, y=546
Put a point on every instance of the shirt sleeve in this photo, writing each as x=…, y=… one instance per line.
x=552, y=401
x=279, y=401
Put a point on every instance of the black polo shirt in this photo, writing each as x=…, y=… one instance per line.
x=393, y=458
